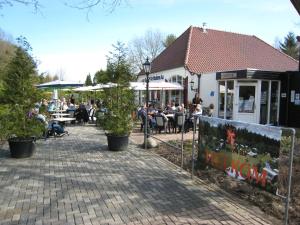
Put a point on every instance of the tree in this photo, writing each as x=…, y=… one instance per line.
x=289, y=46
x=119, y=99
x=19, y=94
x=101, y=77
x=150, y=45
x=46, y=77
x=169, y=40
x=88, y=80
x=118, y=68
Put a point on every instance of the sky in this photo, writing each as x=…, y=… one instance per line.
x=67, y=43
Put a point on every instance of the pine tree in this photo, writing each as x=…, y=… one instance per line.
x=289, y=46
x=88, y=80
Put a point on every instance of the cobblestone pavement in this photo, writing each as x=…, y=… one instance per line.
x=75, y=180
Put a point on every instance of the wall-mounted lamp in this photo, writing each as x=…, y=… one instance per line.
x=192, y=83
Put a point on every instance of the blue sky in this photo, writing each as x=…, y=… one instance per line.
x=65, y=42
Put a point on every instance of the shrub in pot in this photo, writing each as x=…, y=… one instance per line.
x=17, y=99
x=119, y=100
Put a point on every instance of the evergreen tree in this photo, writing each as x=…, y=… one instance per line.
x=19, y=94
x=100, y=77
x=118, y=67
x=289, y=46
x=169, y=40
x=88, y=80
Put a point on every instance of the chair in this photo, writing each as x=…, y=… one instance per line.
x=160, y=123
x=92, y=115
x=179, y=121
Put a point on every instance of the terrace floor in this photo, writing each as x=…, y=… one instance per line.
x=76, y=180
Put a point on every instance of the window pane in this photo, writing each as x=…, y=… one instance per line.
x=221, y=99
x=246, y=99
x=264, y=99
x=274, y=102
x=229, y=108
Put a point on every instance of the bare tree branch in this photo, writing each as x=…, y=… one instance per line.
x=88, y=5
x=150, y=45
x=10, y=3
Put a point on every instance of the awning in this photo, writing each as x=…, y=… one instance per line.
x=141, y=86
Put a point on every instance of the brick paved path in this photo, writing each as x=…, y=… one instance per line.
x=75, y=180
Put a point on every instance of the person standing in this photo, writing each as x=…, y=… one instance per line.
x=197, y=99
x=72, y=99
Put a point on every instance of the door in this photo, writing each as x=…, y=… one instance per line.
x=245, y=106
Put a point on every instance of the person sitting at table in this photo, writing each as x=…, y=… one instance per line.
x=81, y=114
x=161, y=113
x=51, y=107
x=151, y=119
x=165, y=120
x=142, y=115
x=173, y=106
x=189, y=123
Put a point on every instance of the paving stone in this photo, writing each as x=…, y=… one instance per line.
x=76, y=180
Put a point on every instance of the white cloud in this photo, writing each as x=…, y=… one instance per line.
x=74, y=66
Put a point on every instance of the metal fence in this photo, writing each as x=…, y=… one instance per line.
x=258, y=154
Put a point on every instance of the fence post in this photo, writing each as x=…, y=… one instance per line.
x=287, y=199
x=193, y=145
x=182, y=130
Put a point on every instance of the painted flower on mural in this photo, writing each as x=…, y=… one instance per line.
x=231, y=137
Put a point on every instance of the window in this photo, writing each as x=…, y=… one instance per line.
x=226, y=99
x=246, y=99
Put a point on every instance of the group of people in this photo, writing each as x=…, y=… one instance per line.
x=171, y=112
x=43, y=110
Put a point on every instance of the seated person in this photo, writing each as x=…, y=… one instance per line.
x=160, y=113
x=51, y=107
x=211, y=110
x=189, y=123
x=81, y=114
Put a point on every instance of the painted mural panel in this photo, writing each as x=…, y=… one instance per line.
x=247, y=152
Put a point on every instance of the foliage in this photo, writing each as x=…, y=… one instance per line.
x=19, y=95
x=119, y=99
x=88, y=80
x=101, y=77
x=46, y=77
x=118, y=68
x=289, y=46
x=7, y=51
x=169, y=40
x=119, y=105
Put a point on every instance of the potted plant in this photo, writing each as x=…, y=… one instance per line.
x=119, y=100
x=17, y=100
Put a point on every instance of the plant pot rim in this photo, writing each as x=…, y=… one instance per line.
x=116, y=135
x=20, y=139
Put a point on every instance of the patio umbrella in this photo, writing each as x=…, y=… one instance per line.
x=141, y=86
x=59, y=84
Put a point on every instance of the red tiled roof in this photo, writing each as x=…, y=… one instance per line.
x=211, y=51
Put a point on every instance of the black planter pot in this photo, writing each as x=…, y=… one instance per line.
x=21, y=147
x=117, y=143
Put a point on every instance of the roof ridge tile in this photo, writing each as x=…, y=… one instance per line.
x=188, y=46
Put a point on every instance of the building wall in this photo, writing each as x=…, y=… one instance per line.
x=209, y=90
x=208, y=84
x=167, y=74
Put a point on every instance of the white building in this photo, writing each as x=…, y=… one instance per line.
x=201, y=53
